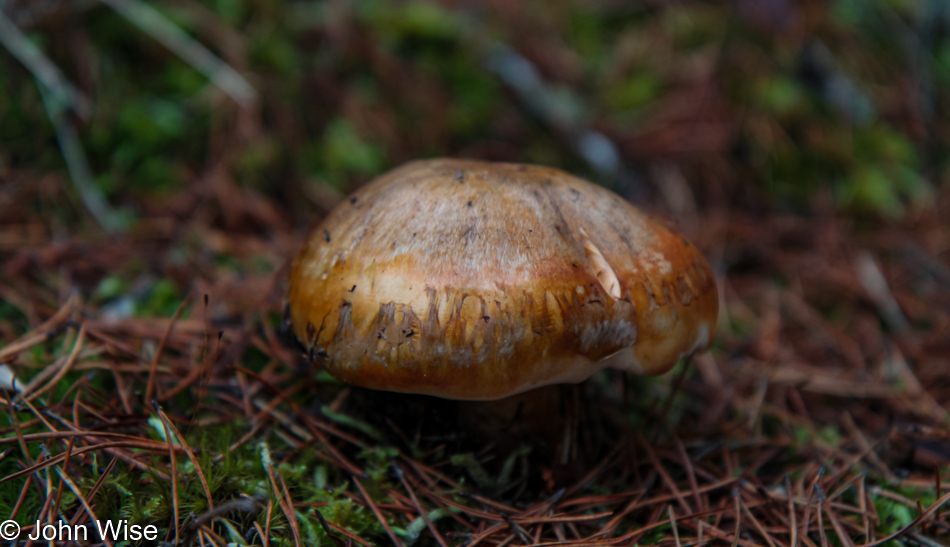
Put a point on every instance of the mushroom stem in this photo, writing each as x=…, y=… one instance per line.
x=535, y=417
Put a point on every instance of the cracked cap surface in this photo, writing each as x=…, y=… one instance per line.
x=476, y=280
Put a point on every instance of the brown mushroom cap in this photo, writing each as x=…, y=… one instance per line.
x=476, y=280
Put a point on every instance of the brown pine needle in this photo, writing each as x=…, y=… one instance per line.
x=811, y=492
x=667, y=480
x=82, y=499
x=349, y=535
x=43, y=332
x=143, y=445
x=150, y=385
x=20, y=437
x=29, y=437
x=415, y=501
x=676, y=532
x=169, y=425
x=690, y=473
x=375, y=509
x=938, y=489
x=289, y=512
x=22, y=497
x=738, y=517
x=755, y=523
x=280, y=493
x=792, y=526
x=825, y=383
x=174, y=471
x=267, y=515
x=67, y=365
x=265, y=541
x=95, y=488
x=843, y=536
x=821, y=524
x=314, y=426
x=920, y=518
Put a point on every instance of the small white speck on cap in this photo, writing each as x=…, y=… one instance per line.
x=602, y=270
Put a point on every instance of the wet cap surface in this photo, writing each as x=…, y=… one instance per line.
x=476, y=280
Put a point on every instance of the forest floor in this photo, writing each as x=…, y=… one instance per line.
x=149, y=211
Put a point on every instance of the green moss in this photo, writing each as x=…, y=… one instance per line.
x=405, y=25
x=13, y=314
x=162, y=300
x=274, y=51
x=633, y=92
x=780, y=95
x=343, y=153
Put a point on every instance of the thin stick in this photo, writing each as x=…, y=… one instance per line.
x=39, y=65
x=160, y=28
x=78, y=164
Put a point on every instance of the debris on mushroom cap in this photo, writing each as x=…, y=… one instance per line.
x=476, y=280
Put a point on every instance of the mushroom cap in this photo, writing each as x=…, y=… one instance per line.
x=475, y=280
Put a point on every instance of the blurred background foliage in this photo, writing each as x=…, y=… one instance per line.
x=154, y=152
x=797, y=105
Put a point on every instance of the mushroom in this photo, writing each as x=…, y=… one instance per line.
x=474, y=280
